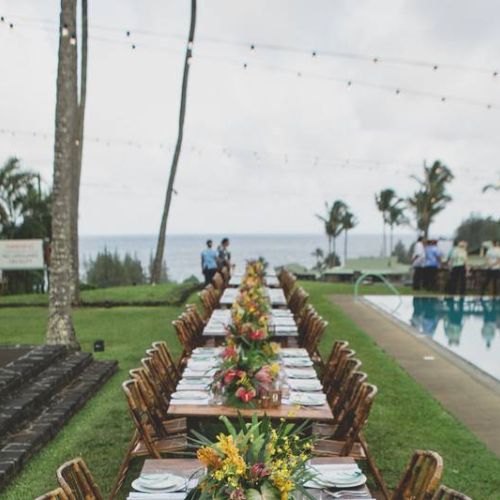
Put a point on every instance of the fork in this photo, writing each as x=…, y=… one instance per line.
x=346, y=494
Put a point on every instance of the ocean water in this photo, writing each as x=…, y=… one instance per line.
x=183, y=251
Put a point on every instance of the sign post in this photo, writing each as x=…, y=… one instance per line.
x=17, y=255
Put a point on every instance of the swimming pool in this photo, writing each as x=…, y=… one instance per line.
x=468, y=326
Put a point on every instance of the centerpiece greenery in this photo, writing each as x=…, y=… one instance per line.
x=256, y=462
x=248, y=369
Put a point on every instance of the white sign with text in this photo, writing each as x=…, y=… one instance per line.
x=21, y=254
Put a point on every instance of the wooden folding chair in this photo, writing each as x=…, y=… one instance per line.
x=57, y=494
x=158, y=402
x=313, y=336
x=196, y=317
x=77, y=482
x=161, y=375
x=168, y=360
x=348, y=439
x=149, y=438
x=218, y=283
x=336, y=363
x=339, y=384
x=421, y=478
x=445, y=493
x=185, y=337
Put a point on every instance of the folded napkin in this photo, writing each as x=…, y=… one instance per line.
x=300, y=373
x=304, y=385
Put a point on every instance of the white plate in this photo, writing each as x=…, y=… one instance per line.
x=300, y=373
x=166, y=483
x=331, y=483
x=307, y=399
x=180, y=395
x=298, y=362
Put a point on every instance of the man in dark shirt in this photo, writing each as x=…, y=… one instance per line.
x=223, y=254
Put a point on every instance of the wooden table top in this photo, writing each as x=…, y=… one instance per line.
x=293, y=413
x=185, y=467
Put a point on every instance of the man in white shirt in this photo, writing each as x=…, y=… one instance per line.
x=493, y=268
x=418, y=263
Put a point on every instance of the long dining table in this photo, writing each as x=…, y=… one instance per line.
x=276, y=297
x=303, y=396
x=190, y=469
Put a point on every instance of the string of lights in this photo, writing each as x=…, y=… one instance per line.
x=349, y=83
x=268, y=158
x=258, y=46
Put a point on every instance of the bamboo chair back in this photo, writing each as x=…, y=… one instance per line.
x=313, y=336
x=196, y=318
x=158, y=374
x=57, y=494
x=218, y=282
x=348, y=394
x=184, y=335
x=152, y=391
x=445, y=493
x=226, y=275
x=340, y=352
x=355, y=418
x=340, y=383
x=421, y=478
x=77, y=482
x=167, y=360
x=145, y=424
x=303, y=321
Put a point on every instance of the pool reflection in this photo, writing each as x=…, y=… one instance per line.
x=467, y=326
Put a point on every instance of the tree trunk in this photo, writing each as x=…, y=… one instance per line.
x=345, y=247
x=60, y=326
x=160, y=247
x=391, y=241
x=75, y=260
x=329, y=245
x=334, y=251
x=384, y=241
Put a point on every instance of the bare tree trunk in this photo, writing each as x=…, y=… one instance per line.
x=345, y=247
x=75, y=260
x=160, y=248
x=384, y=241
x=60, y=326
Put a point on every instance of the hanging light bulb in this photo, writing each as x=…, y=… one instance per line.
x=252, y=47
x=133, y=46
x=127, y=33
x=314, y=54
x=72, y=40
x=64, y=31
x=190, y=45
x=435, y=67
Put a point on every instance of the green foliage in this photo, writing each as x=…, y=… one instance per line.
x=110, y=270
x=476, y=229
x=401, y=253
x=25, y=213
x=431, y=198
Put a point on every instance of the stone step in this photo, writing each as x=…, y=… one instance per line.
x=28, y=400
x=20, y=446
x=27, y=366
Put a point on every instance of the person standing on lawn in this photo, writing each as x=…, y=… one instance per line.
x=418, y=263
x=457, y=262
x=493, y=269
x=209, y=262
x=432, y=264
x=223, y=254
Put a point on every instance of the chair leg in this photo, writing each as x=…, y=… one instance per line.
x=122, y=473
x=373, y=467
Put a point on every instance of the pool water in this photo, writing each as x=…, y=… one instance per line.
x=467, y=326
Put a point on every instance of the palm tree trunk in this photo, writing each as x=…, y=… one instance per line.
x=334, y=251
x=60, y=326
x=345, y=247
x=75, y=261
x=391, y=244
x=160, y=247
x=384, y=241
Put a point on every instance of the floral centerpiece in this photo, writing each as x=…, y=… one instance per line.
x=258, y=461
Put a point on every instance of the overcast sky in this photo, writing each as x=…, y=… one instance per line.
x=264, y=147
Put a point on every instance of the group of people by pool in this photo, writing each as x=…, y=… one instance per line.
x=213, y=260
x=428, y=259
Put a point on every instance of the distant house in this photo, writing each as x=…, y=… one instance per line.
x=353, y=268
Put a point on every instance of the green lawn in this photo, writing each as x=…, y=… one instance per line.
x=404, y=418
x=168, y=292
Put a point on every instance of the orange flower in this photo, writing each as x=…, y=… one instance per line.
x=208, y=457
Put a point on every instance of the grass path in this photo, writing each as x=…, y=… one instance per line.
x=404, y=418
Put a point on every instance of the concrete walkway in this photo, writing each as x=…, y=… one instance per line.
x=471, y=398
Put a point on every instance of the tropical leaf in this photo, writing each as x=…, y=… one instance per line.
x=267, y=492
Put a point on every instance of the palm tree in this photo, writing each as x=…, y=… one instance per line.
x=395, y=217
x=333, y=224
x=60, y=325
x=319, y=255
x=14, y=185
x=160, y=247
x=431, y=198
x=77, y=166
x=349, y=221
x=384, y=200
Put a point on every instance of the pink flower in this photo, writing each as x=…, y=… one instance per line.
x=258, y=471
x=230, y=352
x=244, y=395
x=229, y=376
x=257, y=335
x=264, y=375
